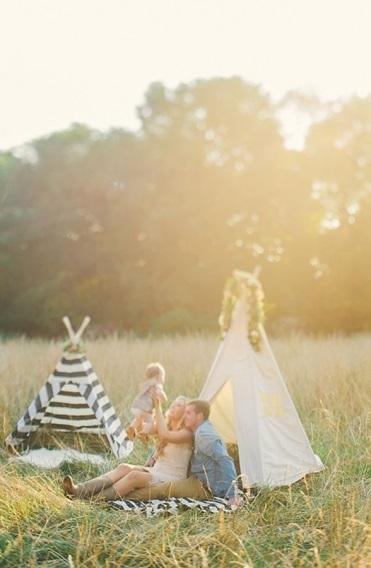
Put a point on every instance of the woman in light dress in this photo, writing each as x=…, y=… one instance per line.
x=170, y=462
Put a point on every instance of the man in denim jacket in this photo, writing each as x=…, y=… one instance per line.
x=212, y=469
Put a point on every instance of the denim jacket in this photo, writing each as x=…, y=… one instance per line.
x=211, y=462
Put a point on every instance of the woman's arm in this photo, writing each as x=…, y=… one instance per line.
x=151, y=459
x=163, y=432
x=153, y=430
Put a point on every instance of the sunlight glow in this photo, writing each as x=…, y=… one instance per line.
x=91, y=62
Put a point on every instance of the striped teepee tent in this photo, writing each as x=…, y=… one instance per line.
x=71, y=408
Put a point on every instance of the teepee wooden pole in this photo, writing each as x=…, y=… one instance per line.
x=82, y=327
x=68, y=325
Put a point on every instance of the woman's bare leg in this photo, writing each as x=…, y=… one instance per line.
x=122, y=471
x=134, y=479
x=97, y=484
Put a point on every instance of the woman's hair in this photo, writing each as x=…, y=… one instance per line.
x=160, y=444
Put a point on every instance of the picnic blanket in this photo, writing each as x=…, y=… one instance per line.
x=173, y=505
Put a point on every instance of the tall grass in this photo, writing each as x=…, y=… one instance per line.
x=321, y=521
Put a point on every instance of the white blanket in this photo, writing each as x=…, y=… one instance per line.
x=49, y=459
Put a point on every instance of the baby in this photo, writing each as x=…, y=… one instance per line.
x=143, y=406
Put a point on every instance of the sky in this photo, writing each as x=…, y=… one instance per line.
x=91, y=61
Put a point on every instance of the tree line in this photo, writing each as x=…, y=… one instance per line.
x=141, y=229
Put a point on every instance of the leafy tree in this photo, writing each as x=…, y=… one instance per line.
x=338, y=151
x=140, y=230
x=215, y=151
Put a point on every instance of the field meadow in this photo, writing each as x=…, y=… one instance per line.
x=322, y=521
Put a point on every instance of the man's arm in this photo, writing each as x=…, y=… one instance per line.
x=214, y=448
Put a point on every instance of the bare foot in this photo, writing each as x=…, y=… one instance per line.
x=131, y=433
x=143, y=438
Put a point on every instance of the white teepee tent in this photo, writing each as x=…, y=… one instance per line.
x=72, y=402
x=250, y=403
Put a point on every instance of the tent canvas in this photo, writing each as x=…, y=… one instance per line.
x=250, y=403
x=72, y=405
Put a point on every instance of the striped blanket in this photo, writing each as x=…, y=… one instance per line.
x=173, y=505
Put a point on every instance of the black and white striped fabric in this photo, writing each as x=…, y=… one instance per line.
x=173, y=505
x=72, y=400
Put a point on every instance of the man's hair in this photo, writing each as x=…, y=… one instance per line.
x=201, y=406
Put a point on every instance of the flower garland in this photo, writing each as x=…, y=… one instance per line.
x=70, y=347
x=247, y=286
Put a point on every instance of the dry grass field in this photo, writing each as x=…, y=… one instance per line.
x=321, y=521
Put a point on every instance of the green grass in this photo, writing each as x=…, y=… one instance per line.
x=321, y=521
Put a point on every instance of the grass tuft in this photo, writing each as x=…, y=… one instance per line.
x=321, y=521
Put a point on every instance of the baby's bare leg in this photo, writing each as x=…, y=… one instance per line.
x=148, y=423
x=138, y=421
